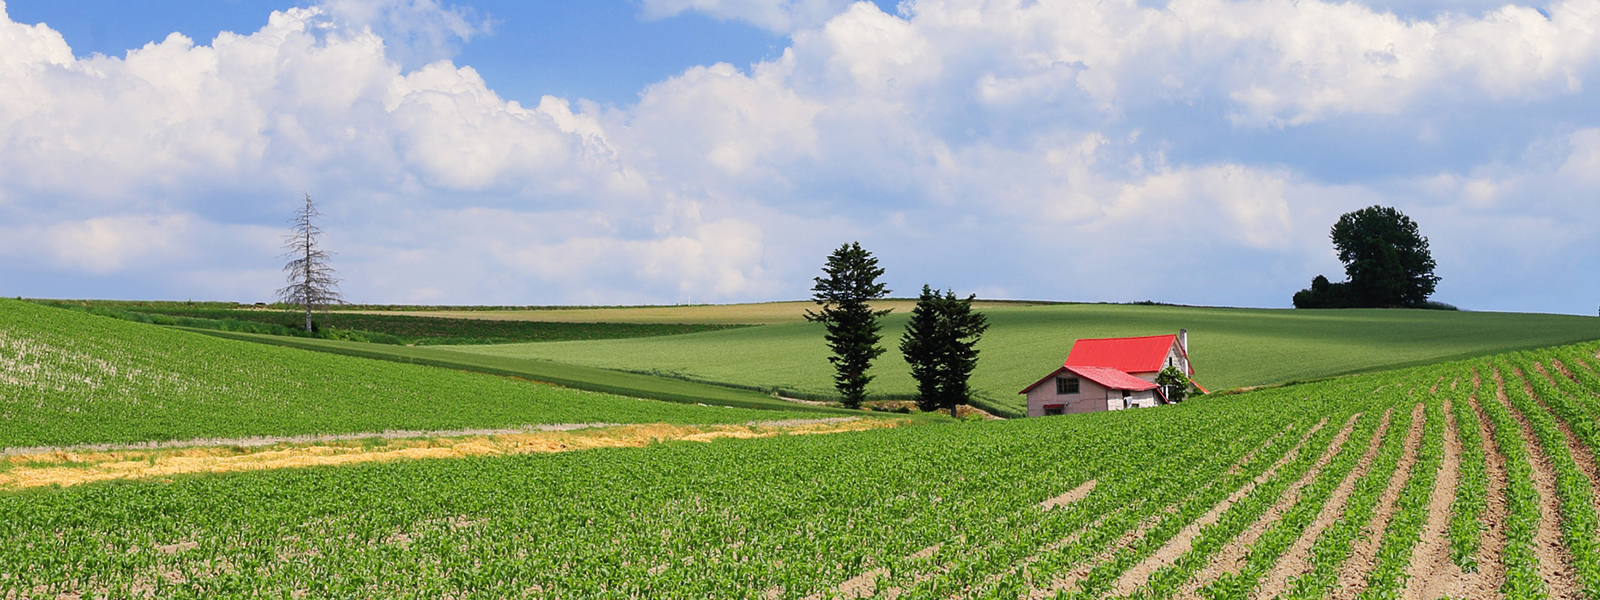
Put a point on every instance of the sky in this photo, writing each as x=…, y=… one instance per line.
x=692, y=151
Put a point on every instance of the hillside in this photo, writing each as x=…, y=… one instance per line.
x=67, y=378
x=1466, y=480
x=1230, y=347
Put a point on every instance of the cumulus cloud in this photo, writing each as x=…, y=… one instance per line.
x=1061, y=149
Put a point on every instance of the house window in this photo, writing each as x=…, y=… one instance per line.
x=1052, y=410
x=1126, y=393
x=1066, y=385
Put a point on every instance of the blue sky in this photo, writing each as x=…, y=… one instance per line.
x=662, y=151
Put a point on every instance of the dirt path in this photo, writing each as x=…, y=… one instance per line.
x=393, y=434
x=1555, y=567
x=1431, y=573
x=1363, y=556
x=1297, y=559
x=1184, y=541
x=72, y=468
x=1071, y=580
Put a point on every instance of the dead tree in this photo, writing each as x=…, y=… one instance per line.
x=312, y=284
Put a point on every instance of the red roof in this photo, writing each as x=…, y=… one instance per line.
x=1112, y=378
x=1105, y=376
x=1131, y=355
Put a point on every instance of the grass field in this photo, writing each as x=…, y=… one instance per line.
x=1229, y=347
x=380, y=327
x=763, y=313
x=1465, y=479
x=68, y=378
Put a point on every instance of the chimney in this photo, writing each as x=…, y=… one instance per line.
x=1183, y=341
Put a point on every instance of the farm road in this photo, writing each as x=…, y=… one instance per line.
x=72, y=467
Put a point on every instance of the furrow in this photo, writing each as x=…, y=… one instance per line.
x=1297, y=558
x=1093, y=576
x=1353, y=575
x=1555, y=566
x=1431, y=574
x=1019, y=569
x=1233, y=551
x=1491, y=573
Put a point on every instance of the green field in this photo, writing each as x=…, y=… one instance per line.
x=935, y=511
x=68, y=378
x=1229, y=347
x=379, y=327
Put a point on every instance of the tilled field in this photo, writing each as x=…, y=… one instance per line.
x=1473, y=479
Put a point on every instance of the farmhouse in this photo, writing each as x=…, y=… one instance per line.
x=1110, y=374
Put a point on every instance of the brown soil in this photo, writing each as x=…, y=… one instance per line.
x=71, y=468
x=1491, y=573
x=1297, y=559
x=1431, y=573
x=1073, y=538
x=1353, y=573
x=1071, y=579
x=1555, y=567
x=1580, y=452
x=1232, y=554
x=1560, y=367
x=1073, y=495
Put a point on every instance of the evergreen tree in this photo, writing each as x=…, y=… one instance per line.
x=921, y=346
x=312, y=284
x=941, y=345
x=851, y=283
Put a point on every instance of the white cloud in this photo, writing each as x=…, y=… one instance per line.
x=1054, y=149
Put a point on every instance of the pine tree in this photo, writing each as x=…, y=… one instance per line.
x=941, y=344
x=312, y=284
x=851, y=282
x=920, y=345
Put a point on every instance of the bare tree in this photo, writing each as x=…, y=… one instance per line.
x=311, y=281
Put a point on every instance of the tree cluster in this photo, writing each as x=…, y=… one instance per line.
x=1386, y=259
x=940, y=343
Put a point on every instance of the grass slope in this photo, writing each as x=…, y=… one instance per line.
x=68, y=378
x=540, y=370
x=1230, y=347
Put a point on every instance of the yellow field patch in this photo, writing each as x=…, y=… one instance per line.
x=65, y=468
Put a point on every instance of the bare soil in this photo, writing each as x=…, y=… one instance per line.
x=1431, y=573
x=1555, y=566
x=1072, y=578
x=1073, y=495
x=1297, y=559
x=1580, y=451
x=1231, y=557
x=1363, y=556
x=1491, y=573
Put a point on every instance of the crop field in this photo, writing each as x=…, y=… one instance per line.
x=1473, y=478
x=71, y=378
x=1229, y=347
x=384, y=327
